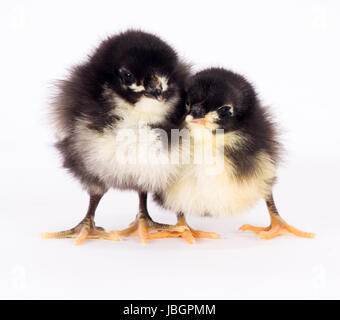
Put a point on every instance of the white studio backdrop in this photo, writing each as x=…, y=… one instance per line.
x=288, y=49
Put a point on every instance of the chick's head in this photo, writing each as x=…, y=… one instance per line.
x=219, y=99
x=136, y=64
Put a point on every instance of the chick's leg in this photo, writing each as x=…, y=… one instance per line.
x=143, y=224
x=86, y=229
x=277, y=226
x=188, y=234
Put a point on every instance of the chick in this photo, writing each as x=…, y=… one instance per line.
x=106, y=116
x=225, y=115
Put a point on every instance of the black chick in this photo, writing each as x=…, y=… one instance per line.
x=131, y=85
x=224, y=112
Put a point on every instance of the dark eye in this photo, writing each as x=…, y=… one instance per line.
x=127, y=78
x=224, y=111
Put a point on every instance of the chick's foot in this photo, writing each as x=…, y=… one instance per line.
x=143, y=227
x=84, y=230
x=277, y=227
x=187, y=233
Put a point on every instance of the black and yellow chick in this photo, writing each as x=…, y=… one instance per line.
x=226, y=118
x=105, y=116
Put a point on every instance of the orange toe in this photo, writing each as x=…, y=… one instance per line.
x=142, y=231
x=257, y=230
x=278, y=227
x=81, y=233
x=204, y=234
x=188, y=234
x=299, y=233
x=146, y=229
x=81, y=237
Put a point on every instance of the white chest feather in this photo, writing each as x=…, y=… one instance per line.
x=203, y=190
x=131, y=154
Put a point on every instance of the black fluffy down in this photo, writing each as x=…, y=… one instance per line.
x=214, y=87
x=81, y=95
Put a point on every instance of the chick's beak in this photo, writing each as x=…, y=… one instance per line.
x=189, y=118
x=155, y=94
x=158, y=94
x=155, y=90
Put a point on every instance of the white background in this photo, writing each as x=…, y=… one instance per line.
x=288, y=49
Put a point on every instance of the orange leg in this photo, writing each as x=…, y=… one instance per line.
x=277, y=227
x=188, y=234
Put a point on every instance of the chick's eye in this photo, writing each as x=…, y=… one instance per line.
x=128, y=78
x=224, y=111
